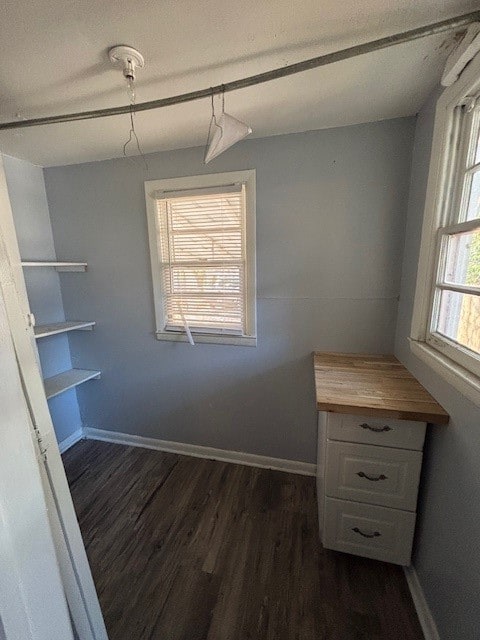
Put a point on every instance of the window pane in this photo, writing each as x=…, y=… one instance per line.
x=204, y=280
x=202, y=247
x=462, y=265
x=222, y=313
x=202, y=244
x=473, y=207
x=206, y=212
x=459, y=318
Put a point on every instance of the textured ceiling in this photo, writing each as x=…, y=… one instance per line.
x=54, y=60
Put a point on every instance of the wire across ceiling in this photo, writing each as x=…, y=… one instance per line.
x=451, y=24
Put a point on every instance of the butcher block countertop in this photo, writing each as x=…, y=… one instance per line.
x=372, y=385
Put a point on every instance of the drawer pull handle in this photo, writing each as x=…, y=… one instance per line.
x=364, y=425
x=361, y=474
x=375, y=534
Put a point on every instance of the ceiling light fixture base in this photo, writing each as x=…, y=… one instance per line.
x=128, y=57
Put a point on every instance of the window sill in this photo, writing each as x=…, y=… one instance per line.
x=465, y=382
x=239, y=341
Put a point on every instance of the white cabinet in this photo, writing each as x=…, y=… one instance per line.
x=367, y=483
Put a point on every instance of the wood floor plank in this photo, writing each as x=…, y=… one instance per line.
x=191, y=549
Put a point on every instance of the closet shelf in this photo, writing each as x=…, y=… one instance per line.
x=44, y=330
x=67, y=380
x=58, y=266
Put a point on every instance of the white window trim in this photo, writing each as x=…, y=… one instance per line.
x=199, y=182
x=435, y=217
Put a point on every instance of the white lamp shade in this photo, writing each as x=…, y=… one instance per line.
x=228, y=131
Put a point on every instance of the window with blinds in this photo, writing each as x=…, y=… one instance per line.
x=202, y=259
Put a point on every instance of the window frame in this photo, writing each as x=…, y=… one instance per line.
x=246, y=177
x=451, y=361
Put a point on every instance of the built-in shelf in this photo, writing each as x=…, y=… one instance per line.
x=44, y=330
x=67, y=380
x=59, y=266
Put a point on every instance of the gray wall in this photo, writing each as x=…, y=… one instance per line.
x=26, y=189
x=330, y=229
x=447, y=556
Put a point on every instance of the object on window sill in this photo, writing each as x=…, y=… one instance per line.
x=187, y=331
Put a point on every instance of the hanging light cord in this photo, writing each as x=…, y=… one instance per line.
x=132, y=134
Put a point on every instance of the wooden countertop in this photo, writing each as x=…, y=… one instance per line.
x=372, y=385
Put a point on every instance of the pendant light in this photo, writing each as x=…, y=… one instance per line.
x=224, y=132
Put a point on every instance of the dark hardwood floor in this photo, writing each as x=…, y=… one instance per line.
x=190, y=549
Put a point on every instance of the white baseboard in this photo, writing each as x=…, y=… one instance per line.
x=425, y=617
x=197, y=451
x=71, y=440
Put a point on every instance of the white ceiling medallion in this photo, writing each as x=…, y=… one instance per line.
x=128, y=57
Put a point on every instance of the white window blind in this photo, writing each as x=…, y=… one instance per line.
x=203, y=259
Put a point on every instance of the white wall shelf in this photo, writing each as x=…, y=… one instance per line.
x=58, y=266
x=68, y=380
x=44, y=330
x=73, y=377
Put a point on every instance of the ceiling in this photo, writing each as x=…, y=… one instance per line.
x=54, y=60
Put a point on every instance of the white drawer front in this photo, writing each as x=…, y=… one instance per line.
x=367, y=530
x=376, y=475
x=403, y=434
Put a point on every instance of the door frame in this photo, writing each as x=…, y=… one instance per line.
x=28, y=559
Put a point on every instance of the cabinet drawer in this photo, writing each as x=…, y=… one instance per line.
x=376, y=475
x=367, y=530
x=403, y=434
